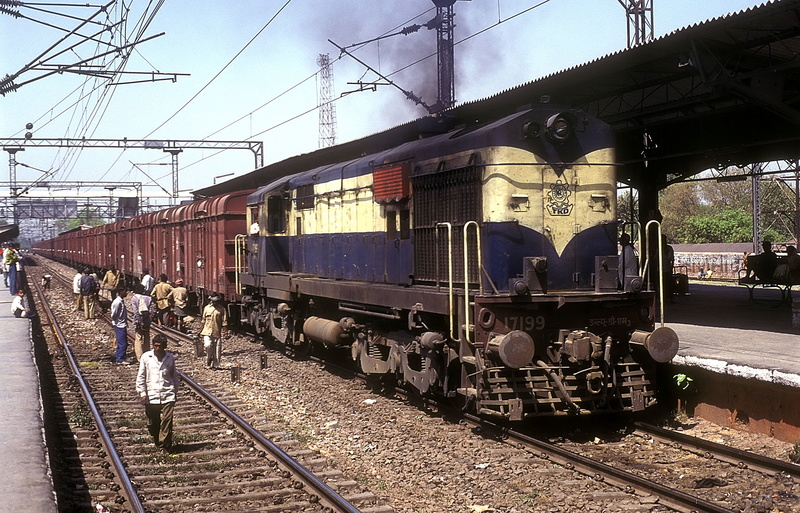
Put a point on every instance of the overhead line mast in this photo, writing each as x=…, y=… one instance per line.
x=327, y=109
x=640, y=21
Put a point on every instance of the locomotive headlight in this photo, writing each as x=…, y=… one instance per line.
x=560, y=128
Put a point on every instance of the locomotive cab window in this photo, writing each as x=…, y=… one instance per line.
x=276, y=217
x=255, y=221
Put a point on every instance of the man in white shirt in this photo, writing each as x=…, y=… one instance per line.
x=157, y=385
x=628, y=263
x=76, y=289
x=148, y=282
x=18, y=307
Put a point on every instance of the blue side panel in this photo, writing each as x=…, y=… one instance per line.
x=336, y=262
x=310, y=263
x=322, y=254
x=399, y=261
x=273, y=254
x=298, y=254
x=368, y=257
x=276, y=253
x=357, y=257
x=376, y=246
x=506, y=244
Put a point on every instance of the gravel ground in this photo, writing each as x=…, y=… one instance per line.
x=421, y=462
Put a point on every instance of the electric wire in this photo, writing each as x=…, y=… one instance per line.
x=221, y=70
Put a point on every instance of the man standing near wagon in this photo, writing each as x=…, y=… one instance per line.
x=111, y=281
x=88, y=289
x=119, y=318
x=140, y=303
x=157, y=385
x=76, y=289
x=161, y=295
x=179, y=298
x=214, y=319
x=148, y=282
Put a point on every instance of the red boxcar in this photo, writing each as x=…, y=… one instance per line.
x=195, y=242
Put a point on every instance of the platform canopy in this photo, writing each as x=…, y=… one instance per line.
x=8, y=232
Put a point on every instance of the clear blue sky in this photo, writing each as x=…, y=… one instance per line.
x=271, y=84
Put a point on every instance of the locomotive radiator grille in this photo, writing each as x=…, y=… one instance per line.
x=534, y=393
x=453, y=196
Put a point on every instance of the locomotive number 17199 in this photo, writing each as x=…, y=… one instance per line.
x=524, y=322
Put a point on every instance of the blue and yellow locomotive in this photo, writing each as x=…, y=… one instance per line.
x=478, y=264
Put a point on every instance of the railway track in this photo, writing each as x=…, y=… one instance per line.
x=610, y=463
x=738, y=471
x=220, y=461
x=613, y=470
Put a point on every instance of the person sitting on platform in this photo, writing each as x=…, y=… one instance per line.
x=762, y=267
x=793, y=263
x=19, y=308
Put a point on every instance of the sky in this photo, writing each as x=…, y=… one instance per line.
x=247, y=71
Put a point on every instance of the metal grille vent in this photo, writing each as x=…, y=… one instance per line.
x=451, y=196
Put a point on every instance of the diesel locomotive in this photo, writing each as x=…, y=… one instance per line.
x=477, y=264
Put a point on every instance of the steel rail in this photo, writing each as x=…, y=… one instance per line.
x=122, y=475
x=334, y=499
x=600, y=471
x=721, y=452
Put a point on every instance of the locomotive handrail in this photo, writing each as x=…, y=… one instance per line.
x=466, y=272
x=450, y=312
x=239, y=247
x=450, y=292
x=646, y=266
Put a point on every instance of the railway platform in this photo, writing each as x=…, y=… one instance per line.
x=743, y=357
x=26, y=483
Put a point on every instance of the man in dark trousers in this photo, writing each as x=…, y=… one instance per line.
x=157, y=385
x=88, y=289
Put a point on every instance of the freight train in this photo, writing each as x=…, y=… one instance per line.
x=477, y=264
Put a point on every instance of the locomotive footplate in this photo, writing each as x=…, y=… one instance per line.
x=516, y=394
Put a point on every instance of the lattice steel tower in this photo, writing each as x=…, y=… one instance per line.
x=640, y=21
x=445, y=56
x=327, y=109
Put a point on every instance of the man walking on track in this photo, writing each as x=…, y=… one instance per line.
x=214, y=318
x=157, y=386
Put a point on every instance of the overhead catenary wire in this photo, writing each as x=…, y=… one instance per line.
x=269, y=22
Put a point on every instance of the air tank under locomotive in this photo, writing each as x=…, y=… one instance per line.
x=477, y=264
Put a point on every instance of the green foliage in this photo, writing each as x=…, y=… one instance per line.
x=725, y=226
x=710, y=211
x=794, y=454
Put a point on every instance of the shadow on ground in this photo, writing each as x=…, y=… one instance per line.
x=727, y=305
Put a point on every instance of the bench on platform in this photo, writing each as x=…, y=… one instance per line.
x=784, y=286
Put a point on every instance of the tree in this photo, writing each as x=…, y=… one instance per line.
x=88, y=216
x=678, y=203
x=722, y=211
x=726, y=226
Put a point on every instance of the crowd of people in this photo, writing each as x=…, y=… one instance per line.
x=151, y=301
